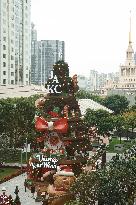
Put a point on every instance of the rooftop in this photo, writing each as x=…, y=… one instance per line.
x=88, y=103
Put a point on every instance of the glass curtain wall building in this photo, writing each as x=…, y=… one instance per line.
x=49, y=52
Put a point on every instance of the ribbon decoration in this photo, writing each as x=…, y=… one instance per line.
x=60, y=125
x=40, y=139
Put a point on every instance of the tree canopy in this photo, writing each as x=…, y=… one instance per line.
x=130, y=119
x=16, y=119
x=117, y=103
x=101, y=118
x=82, y=94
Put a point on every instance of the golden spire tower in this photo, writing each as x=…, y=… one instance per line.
x=128, y=70
x=130, y=30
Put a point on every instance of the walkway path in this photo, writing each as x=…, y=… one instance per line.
x=25, y=197
x=109, y=156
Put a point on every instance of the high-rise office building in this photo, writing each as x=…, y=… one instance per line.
x=15, y=44
x=97, y=81
x=93, y=79
x=49, y=52
x=34, y=55
x=101, y=81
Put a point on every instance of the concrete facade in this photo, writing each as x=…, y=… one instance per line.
x=15, y=47
x=11, y=91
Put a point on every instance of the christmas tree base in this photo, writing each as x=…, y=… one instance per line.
x=60, y=199
x=38, y=199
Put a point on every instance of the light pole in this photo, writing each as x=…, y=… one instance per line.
x=41, y=63
x=21, y=158
x=26, y=149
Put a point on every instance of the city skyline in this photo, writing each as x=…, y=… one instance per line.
x=96, y=33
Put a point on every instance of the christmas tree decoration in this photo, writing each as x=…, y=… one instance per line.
x=64, y=143
x=11, y=201
x=40, y=139
x=60, y=125
x=40, y=102
x=4, y=199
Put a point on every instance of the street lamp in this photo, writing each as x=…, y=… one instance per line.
x=21, y=158
x=26, y=149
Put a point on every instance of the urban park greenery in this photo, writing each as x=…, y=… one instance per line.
x=82, y=94
x=113, y=184
x=101, y=118
x=117, y=103
x=16, y=121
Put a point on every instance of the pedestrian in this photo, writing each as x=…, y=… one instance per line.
x=45, y=199
x=16, y=190
x=32, y=189
x=25, y=184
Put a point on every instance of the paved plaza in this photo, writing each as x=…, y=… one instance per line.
x=25, y=197
x=109, y=156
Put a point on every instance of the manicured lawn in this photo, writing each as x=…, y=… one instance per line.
x=7, y=172
x=114, y=141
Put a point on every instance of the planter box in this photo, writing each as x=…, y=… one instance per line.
x=119, y=147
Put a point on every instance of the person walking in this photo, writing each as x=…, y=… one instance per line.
x=25, y=184
x=32, y=189
x=17, y=199
x=16, y=190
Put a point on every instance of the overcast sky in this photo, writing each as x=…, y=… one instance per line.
x=95, y=31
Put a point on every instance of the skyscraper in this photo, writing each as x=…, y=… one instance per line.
x=34, y=55
x=49, y=52
x=15, y=44
x=93, y=79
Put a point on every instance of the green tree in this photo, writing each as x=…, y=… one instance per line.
x=120, y=125
x=117, y=103
x=130, y=119
x=16, y=119
x=101, y=118
x=133, y=108
x=82, y=94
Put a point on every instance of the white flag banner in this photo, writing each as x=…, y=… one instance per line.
x=26, y=148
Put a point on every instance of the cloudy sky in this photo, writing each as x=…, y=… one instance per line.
x=95, y=31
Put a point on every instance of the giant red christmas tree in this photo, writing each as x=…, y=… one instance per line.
x=63, y=142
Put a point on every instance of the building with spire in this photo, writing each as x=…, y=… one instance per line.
x=127, y=77
x=126, y=85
